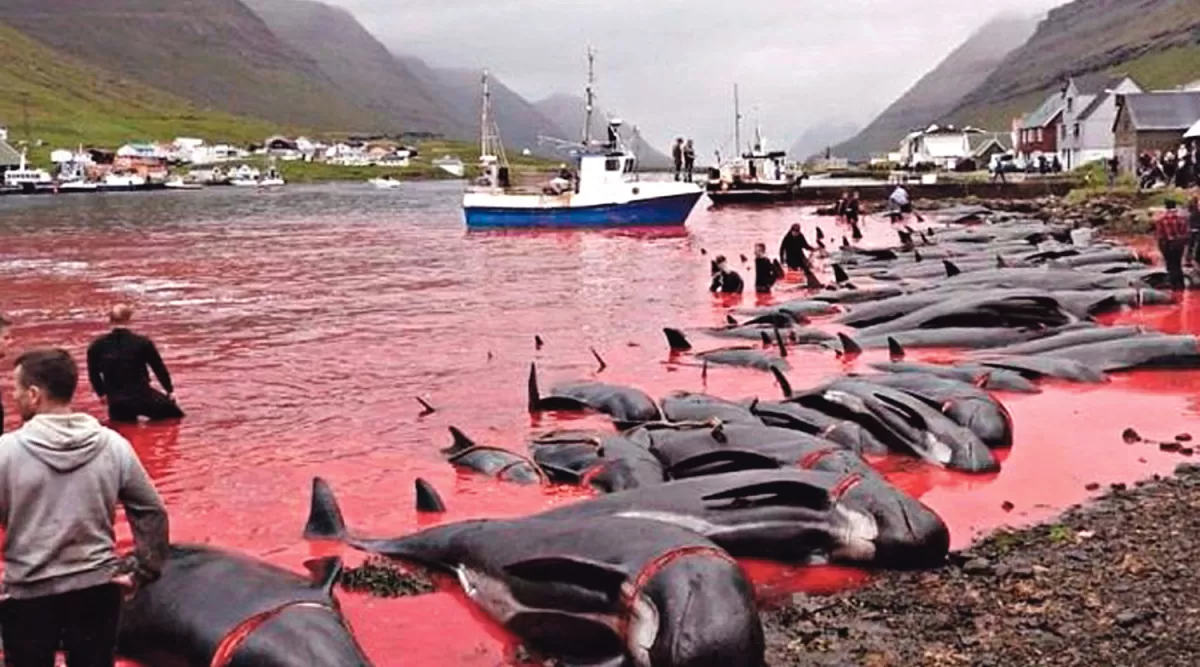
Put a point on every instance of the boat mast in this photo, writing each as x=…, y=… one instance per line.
x=737, y=124
x=483, y=116
x=590, y=99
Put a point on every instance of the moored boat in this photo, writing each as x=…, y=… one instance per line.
x=603, y=189
x=755, y=176
x=451, y=165
x=385, y=183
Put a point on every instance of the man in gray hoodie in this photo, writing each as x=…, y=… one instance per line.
x=61, y=477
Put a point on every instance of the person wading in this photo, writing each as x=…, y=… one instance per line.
x=117, y=363
x=852, y=210
x=792, y=251
x=725, y=280
x=1171, y=229
x=766, y=272
x=61, y=477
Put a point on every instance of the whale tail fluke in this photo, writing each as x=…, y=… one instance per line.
x=428, y=499
x=676, y=339
x=325, y=520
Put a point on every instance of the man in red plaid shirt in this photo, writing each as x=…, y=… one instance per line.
x=1172, y=232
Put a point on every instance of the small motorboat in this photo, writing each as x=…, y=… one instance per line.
x=385, y=183
x=177, y=183
x=451, y=165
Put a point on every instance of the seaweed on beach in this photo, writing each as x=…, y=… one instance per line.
x=381, y=578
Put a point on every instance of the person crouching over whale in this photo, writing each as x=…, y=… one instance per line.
x=117, y=363
x=61, y=477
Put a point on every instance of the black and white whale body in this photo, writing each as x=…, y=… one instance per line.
x=742, y=357
x=608, y=462
x=1011, y=310
x=193, y=616
x=1064, y=339
x=903, y=422
x=611, y=590
x=691, y=451
x=1125, y=354
x=689, y=407
x=790, y=515
x=495, y=462
x=627, y=406
x=965, y=404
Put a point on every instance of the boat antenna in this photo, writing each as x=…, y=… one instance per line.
x=737, y=123
x=590, y=98
x=483, y=115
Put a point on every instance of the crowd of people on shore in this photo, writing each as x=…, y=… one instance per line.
x=1176, y=168
x=62, y=475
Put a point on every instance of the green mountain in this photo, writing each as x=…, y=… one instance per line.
x=361, y=68
x=68, y=101
x=215, y=53
x=1156, y=41
x=943, y=88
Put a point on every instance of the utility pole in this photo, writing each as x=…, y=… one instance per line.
x=25, y=116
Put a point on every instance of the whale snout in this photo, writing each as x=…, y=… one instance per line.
x=908, y=535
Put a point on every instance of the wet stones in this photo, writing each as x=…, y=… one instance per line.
x=977, y=567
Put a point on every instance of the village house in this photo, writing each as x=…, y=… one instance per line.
x=986, y=145
x=943, y=147
x=1089, y=110
x=1037, y=132
x=1152, y=122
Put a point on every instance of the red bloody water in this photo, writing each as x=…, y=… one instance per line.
x=300, y=325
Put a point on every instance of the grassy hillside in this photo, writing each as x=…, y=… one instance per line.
x=71, y=102
x=357, y=64
x=1155, y=39
x=215, y=53
x=941, y=90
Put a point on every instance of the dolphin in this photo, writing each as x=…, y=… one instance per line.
x=627, y=406
x=610, y=590
x=691, y=451
x=743, y=357
x=1015, y=309
x=689, y=407
x=492, y=461
x=910, y=423
x=1042, y=366
x=214, y=607
x=798, y=307
x=965, y=404
x=1125, y=354
x=946, y=337
x=791, y=514
x=604, y=461
x=850, y=296
x=1064, y=339
x=850, y=435
x=994, y=379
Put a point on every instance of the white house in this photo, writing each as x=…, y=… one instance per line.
x=3, y=133
x=1089, y=110
x=941, y=146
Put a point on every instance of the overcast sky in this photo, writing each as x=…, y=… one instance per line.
x=669, y=66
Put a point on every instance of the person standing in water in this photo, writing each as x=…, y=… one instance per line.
x=852, y=211
x=792, y=251
x=725, y=280
x=117, y=363
x=1171, y=230
x=61, y=477
x=766, y=272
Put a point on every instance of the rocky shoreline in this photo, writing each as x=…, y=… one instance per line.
x=1115, y=212
x=1110, y=583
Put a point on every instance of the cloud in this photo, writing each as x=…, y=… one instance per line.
x=670, y=65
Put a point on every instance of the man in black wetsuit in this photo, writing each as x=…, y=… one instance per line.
x=117, y=364
x=5, y=345
x=766, y=272
x=725, y=280
x=791, y=253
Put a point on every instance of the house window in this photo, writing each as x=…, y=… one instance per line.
x=1075, y=131
x=1070, y=104
x=1037, y=135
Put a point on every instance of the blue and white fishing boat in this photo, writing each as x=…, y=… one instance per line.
x=602, y=190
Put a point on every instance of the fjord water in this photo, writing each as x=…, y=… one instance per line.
x=300, y=324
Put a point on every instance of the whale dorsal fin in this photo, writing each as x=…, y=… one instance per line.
x=428, y=499
x=951, y=268
x=895, y=349
x=676, y=340
x=461, y=443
